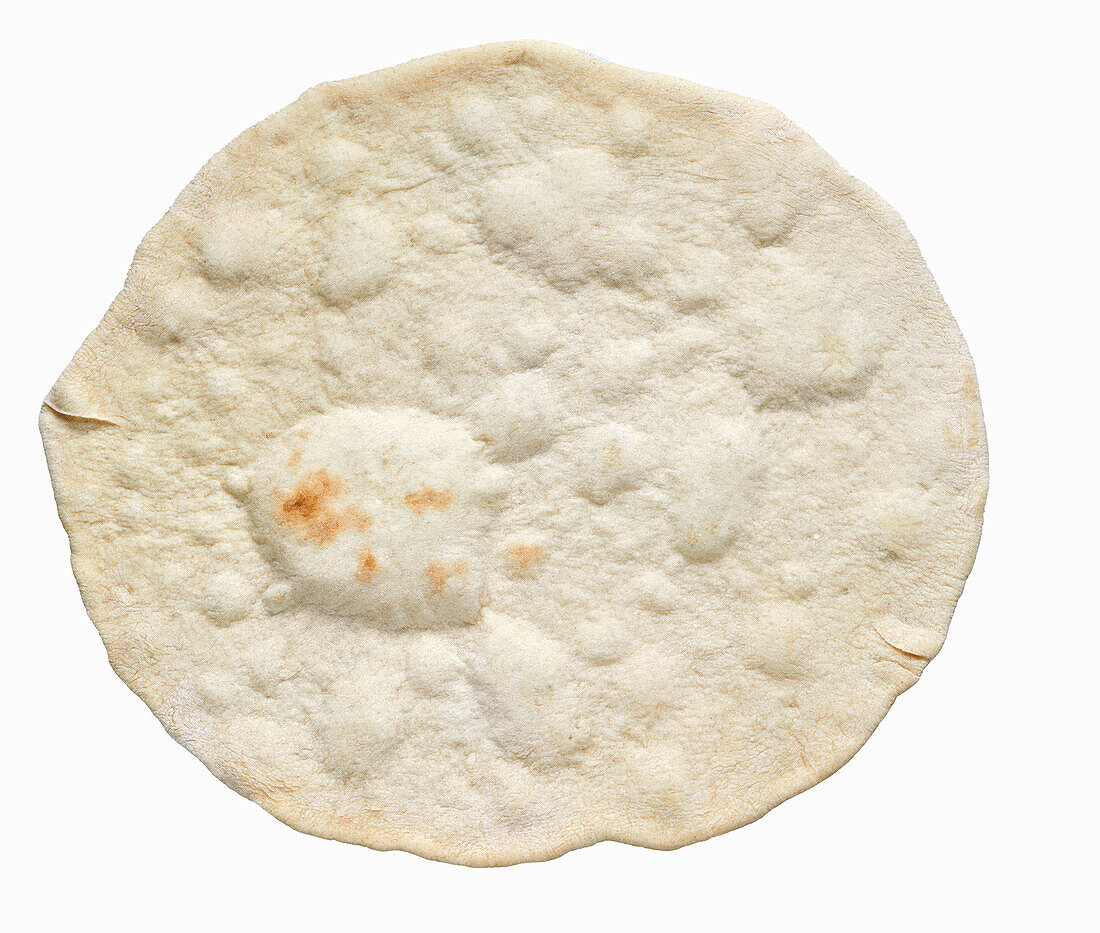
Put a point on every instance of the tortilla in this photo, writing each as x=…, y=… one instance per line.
x=509, y=451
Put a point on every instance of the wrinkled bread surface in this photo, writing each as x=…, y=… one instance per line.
x=510, y=450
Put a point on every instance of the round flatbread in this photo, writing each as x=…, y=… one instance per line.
x=510, y=451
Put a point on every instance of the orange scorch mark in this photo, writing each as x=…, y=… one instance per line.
x=294, y=459
x=309, y=510
x=439, y=574
x=523, y=556
x=357, y=518
x=428, y=498
x=368, y=567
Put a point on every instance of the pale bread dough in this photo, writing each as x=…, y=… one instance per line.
x=510, y=450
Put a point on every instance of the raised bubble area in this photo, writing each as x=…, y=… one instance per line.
x=378, y=515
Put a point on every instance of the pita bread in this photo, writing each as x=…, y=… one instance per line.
x=510, y=451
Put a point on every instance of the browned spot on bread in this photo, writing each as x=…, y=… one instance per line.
x=357, y=518
x=439, y=574
x=294, y=459
x=969, y=386
x=973, y=416
x=309, y=509
x=368, y=567
x=523, y=556
x=428, y=498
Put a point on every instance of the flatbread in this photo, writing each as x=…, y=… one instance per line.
x=510, y=451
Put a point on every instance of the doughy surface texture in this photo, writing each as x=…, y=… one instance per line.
x=510, y=451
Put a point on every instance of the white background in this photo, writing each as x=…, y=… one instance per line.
x=974, y=803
